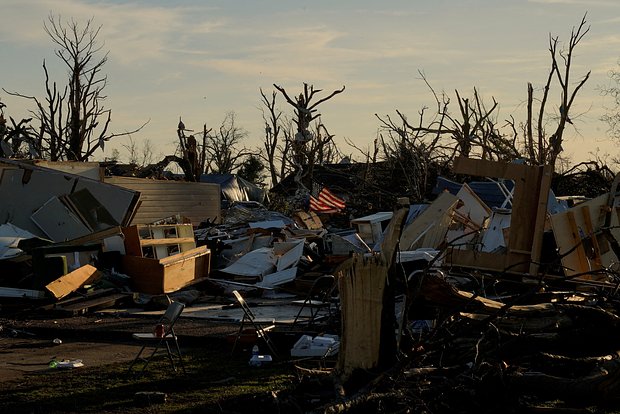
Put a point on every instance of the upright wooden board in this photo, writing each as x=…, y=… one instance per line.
x=361, y=285
x=529, y=209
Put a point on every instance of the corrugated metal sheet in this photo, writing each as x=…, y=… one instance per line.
x=160, y=199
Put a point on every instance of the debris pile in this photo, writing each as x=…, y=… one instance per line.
x=496, y=295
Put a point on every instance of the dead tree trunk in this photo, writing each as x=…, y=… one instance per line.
x=362, y=286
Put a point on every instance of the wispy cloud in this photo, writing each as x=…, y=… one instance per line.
x=179, y=52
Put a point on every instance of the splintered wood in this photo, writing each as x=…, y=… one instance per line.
x=361, y=285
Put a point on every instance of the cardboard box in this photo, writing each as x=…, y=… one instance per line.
x=157, y=276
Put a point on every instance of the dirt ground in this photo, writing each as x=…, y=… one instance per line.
x=27, y=345
x=21, y=356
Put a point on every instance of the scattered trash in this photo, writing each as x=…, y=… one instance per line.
x=483, y=272
x=66, y=363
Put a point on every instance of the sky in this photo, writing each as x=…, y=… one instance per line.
x=200, y=59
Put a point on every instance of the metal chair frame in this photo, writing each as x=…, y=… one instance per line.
x=261, y=331
x=319, y=297
x=169, y=318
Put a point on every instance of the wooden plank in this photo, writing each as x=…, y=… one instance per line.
x=581, y=264
x=198, y=251
x=495, y=262
x=309, y=220
x=85, y=306
x=526, y=196
x=393, y=231
x=486, y=168
x=94, y=237
x=586, y=219
x=167, y=242
x=541, y=217
x=168, y=201
x=72, y=281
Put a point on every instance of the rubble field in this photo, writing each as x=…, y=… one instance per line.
x=495, y=295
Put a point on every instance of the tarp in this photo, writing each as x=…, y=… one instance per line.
x=489, y=191
x=235, y=188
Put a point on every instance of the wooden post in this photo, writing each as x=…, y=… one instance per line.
x=362, y=283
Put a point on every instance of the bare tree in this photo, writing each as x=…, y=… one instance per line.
x=193, y=154
x=74, y=121
x=139, y=155
x=612, y=117
x=224, y=148
x=417, y=149
x=272, y=136
x=541, y=147
x=17, y=139
x=410, y=150
x=474, y=130
x=306, y=112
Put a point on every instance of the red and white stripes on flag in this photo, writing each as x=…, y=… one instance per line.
x=326, y=202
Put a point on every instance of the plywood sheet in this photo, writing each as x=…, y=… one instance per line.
x=578, y=237
x=72, y=281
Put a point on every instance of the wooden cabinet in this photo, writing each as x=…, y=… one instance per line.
x=157, y=276
x=163, y=258
x=158, y=241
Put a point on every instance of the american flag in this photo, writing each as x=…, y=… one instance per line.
x=326, y=202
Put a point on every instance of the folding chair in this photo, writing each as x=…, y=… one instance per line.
x=319, y=297
x=261, y=331
x=151, y=339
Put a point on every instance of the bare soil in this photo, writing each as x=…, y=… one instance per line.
x=214, y=381
x=23, y=356
x=28, y=345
